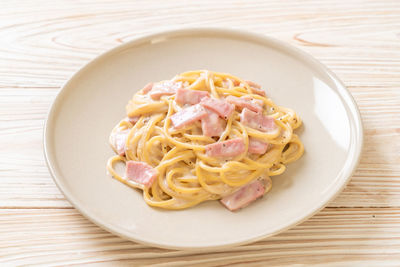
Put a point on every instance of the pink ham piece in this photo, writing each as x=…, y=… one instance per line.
x=257, y=91
x=140, y=172
x=254, y=100
x=255, y=105
x=147, y=88
x=221, y=107
x=226, y=149
x=257, y=120
x=212, y=125
x=255, y=88
x=185, y=96
x=257, y=146
x=244, y=196
x=133, y=119
x=187, y=116
x=253, y=84
x=164, y=88
x=118, y=140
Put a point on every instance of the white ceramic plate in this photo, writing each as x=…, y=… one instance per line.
x=94, y=99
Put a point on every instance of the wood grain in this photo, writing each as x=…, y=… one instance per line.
x=341, y=236
x=42, y=43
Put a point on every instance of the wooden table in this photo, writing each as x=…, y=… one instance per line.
x=42, y=43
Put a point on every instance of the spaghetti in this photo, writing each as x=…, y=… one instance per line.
x=205, y=136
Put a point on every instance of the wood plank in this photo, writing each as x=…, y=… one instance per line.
x=338, y=236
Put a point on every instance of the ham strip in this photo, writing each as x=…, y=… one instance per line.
x=118, y=140
x=257, y=146
x=246, y=102
x=255, y=88
x=244, y=196
x=257, y=120
x=226, y=149
x=221, y=107
x=188, y=116
x=254, y=100
x=191, y=97
x=164, y=88
x=257, y=91
x=140, y=172
x=253, y=84
x=133, y=119
x=147, y=88
x=212, y=125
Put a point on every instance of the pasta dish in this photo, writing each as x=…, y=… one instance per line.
x=202, y=136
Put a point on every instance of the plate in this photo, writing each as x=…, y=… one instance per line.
x=94, y=99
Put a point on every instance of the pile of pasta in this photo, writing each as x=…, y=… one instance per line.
x=185, y=172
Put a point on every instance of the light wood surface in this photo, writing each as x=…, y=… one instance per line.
x=42, y=43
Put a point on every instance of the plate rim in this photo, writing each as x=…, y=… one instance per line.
x=344, y=94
